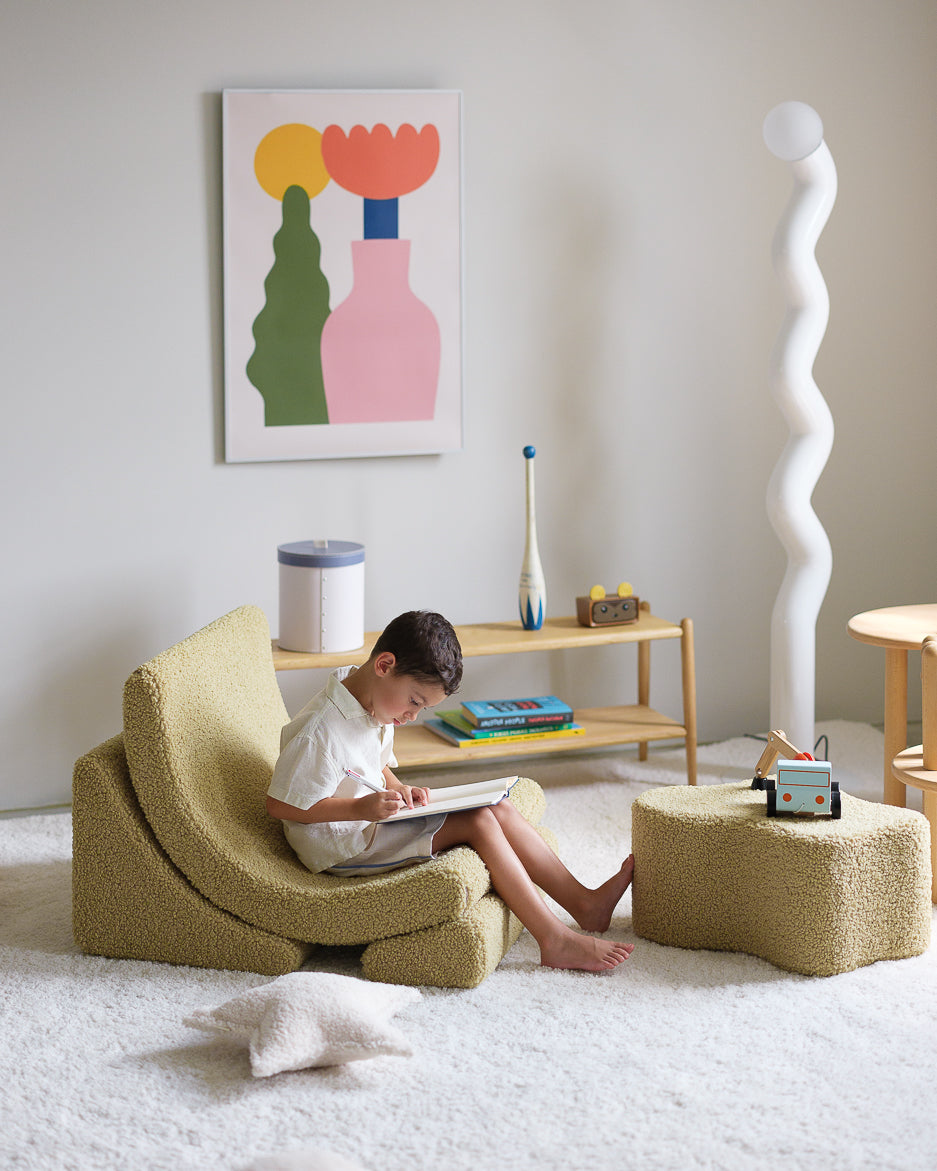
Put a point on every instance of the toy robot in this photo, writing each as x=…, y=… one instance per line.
x=802, y=784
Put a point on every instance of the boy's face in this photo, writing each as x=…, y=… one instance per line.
x=398, y=699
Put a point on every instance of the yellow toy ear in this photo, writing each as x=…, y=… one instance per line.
x=597, y=592
x=625, y=590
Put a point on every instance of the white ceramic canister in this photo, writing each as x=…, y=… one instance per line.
x=321, y=596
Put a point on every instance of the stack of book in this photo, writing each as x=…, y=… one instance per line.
x=543, y=717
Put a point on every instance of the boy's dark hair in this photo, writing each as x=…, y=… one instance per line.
x=425, y=646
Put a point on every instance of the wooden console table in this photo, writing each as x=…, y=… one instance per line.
x=635, y=724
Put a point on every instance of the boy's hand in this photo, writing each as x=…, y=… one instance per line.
x=417, y=796
x=377, y=806
x=410, y=794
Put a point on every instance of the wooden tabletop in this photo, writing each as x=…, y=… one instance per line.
x=500, y=638
x=898, y=627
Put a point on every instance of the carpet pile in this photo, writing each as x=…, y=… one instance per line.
x=677, y=1060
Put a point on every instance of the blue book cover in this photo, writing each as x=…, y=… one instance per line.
x=516, y=713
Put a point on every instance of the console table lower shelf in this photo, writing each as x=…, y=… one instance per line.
x=605, y=727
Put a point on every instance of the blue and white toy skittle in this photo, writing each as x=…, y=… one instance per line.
x=532, y=595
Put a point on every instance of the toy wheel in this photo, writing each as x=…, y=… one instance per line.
x=772, y=809
x=836, y=803
x=770, y=783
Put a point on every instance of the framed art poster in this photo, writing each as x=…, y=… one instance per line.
x=342, y=273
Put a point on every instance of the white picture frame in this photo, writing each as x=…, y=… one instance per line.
x=331, y=288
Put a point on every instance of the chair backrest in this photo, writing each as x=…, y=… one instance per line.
x=202, y=727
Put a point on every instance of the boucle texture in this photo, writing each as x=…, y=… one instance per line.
x=201, y=733
x=809, y=894
x=129, y=901
x=457, y=954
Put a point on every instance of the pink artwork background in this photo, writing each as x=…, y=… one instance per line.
x=394, y=376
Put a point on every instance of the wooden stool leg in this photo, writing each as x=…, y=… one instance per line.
x=929, y=745
x=688, y=660
x=896, y=720
x=930, y=812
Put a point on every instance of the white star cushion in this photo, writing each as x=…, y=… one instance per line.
x=308, y=1019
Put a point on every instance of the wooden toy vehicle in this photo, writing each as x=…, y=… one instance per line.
x=802, y=784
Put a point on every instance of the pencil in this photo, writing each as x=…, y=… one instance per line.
x=349, y=772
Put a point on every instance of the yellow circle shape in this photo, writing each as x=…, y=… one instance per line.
x=291, y=155
x=624, y=589
x=597, y=592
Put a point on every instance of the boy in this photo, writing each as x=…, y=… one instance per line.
x=334, y=821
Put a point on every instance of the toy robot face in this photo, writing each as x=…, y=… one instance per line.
x=804, y=786
x=804, y=799
x=607, y=610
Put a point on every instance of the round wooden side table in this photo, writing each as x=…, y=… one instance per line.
x=898, y=629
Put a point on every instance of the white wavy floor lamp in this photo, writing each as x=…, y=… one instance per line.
x=793, y=132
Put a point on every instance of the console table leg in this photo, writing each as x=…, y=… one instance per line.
x=688, y=661
x=644, y=686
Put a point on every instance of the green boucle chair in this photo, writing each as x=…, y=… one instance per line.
x=176, y=859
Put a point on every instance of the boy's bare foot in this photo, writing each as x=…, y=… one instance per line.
x=596, y=914
x=583, y=953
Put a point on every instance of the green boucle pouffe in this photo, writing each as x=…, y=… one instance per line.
x=809, y=894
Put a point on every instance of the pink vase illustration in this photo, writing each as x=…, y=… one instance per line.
x=380, y=346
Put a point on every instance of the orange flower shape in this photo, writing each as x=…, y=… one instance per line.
x=378, y=164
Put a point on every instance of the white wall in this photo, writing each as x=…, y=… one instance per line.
x=620, y=309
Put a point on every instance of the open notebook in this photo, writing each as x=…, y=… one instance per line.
x=449, y=798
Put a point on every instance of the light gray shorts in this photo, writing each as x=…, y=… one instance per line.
x=400, y=843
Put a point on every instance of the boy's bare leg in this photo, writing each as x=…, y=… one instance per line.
x=592, y=909
x=560, y=946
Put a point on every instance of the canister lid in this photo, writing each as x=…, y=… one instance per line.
x=320, y=554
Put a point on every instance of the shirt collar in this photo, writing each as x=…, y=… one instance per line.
x=346, y=703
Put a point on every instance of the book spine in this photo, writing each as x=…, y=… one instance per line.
x=507, y=733
x=461, y=740
x=522, y=721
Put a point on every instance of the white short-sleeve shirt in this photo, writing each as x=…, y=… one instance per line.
x=330, y=738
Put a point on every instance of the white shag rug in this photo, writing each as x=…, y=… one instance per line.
x=677, y=1060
